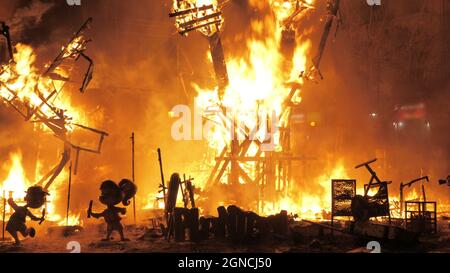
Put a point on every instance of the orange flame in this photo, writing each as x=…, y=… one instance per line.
x=22, y=79
x=17, y=184
x=257, y=84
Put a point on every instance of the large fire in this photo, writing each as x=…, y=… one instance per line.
x=259, y=84
x=314, y=204
x=22, y=80
x=72, y=220
x=16, y=184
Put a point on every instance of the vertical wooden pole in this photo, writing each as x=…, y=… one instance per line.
x=220, y=66
x=68, y=194
x=4, y=215
x=184, y=191
x=401, y=198
x=163, y=187
x=132, y=175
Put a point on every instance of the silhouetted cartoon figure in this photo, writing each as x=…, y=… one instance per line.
x=111, y=195
x=35, y=198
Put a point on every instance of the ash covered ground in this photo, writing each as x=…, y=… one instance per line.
x=142, y=240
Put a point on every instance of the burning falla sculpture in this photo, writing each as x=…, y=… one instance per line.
x=111, y=195
x=35, y=198
x=35, y=96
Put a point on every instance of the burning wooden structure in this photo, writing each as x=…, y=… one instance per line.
x=270, y=176
x=272, y=163
x=35, y=104
x=207, y=19
x=35, y=96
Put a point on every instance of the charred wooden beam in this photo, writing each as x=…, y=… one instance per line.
x=251, y=220
x=162, y=186
x=215, y=227
x=190, y=190
x=172, y=194
x=63, y=54
x=409, y=184
x=179, y=224
x=193, y=224
x=5, y=33
x=333, y=10
x=222, y=222
x=232, y=221
x=212, y=176
x=220, y=67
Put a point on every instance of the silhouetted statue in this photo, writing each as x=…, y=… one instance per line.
x=111, y=195
x=35, y=198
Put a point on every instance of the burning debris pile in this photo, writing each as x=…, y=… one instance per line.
x=247, y=227
x=234, y=223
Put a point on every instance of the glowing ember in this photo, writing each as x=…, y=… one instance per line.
x=154, y=202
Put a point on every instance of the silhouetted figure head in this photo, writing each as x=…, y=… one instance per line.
x=128, y=189
x=36, y=197
x=112, y=194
